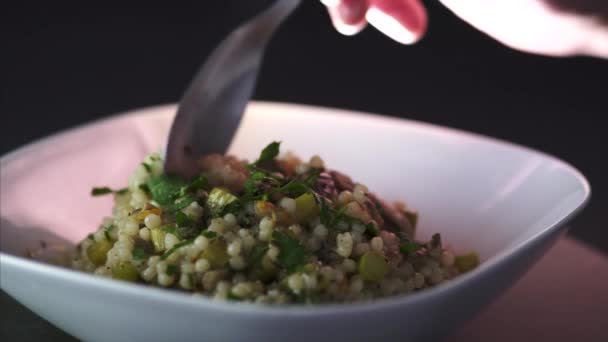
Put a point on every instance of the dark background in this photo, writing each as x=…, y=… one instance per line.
x=66, y=66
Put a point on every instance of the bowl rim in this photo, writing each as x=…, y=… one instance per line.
x=174, y=297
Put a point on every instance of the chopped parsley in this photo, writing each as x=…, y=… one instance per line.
x=182, y=219
x=196, y=184
x=180, y=203
x=139, y=253
x=171, y=270
x=165, y=189
x=269, y=152
x=176, y=247
x=291, y=252
x=257, y=254
x=104, y=190
x=209, y=234
x=410, y=247
x=370, y=230
x=107, y=230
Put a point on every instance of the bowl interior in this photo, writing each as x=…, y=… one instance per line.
x=479, y=193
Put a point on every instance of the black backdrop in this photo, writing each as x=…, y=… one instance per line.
x=66, y=66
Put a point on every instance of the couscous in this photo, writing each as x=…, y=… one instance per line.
x=274, y=231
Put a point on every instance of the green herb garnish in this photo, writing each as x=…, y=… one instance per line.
x=165, y=189
x=257, y=254
x=139, y=253
x=209, y=234
x=197, y=183
x=176, y=247
x=100, y=191
x=292, y=254
x=171, y=270
x=410, y=247
x=269, y=152
x=182, y=219
x=371, y=231
x=180, y=204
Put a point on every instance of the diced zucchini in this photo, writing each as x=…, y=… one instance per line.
x=158, y=239
x=373, y=267
x=125, y=271
x=98, y=251
x=218, y=199
x=216, y=253
x=306, y=207
x=466, y=262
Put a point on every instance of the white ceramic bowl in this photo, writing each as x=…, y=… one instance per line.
x=507, y=202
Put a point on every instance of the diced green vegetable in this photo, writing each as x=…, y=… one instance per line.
x=125, y=271
x=291, y=252
x=98, y=251
x=216, y=253
x=466, y=262
x=218, y=199
x=158, y=239
x=373, y=267
x=306, y=207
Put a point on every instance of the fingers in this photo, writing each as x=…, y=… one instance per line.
x=404, y=21
x=347, y=16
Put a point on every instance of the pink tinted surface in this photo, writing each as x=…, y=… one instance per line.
x=563, y=298
x=44, y=188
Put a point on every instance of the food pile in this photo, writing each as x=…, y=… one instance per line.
x=278, y=230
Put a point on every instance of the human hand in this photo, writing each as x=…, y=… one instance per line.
x=550, y=27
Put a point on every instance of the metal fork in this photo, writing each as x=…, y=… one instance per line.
x=211, y=109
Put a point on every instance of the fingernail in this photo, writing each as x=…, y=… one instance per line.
x=343, y=27
x=390, y=26
x=405, y=21
x=330, y=3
